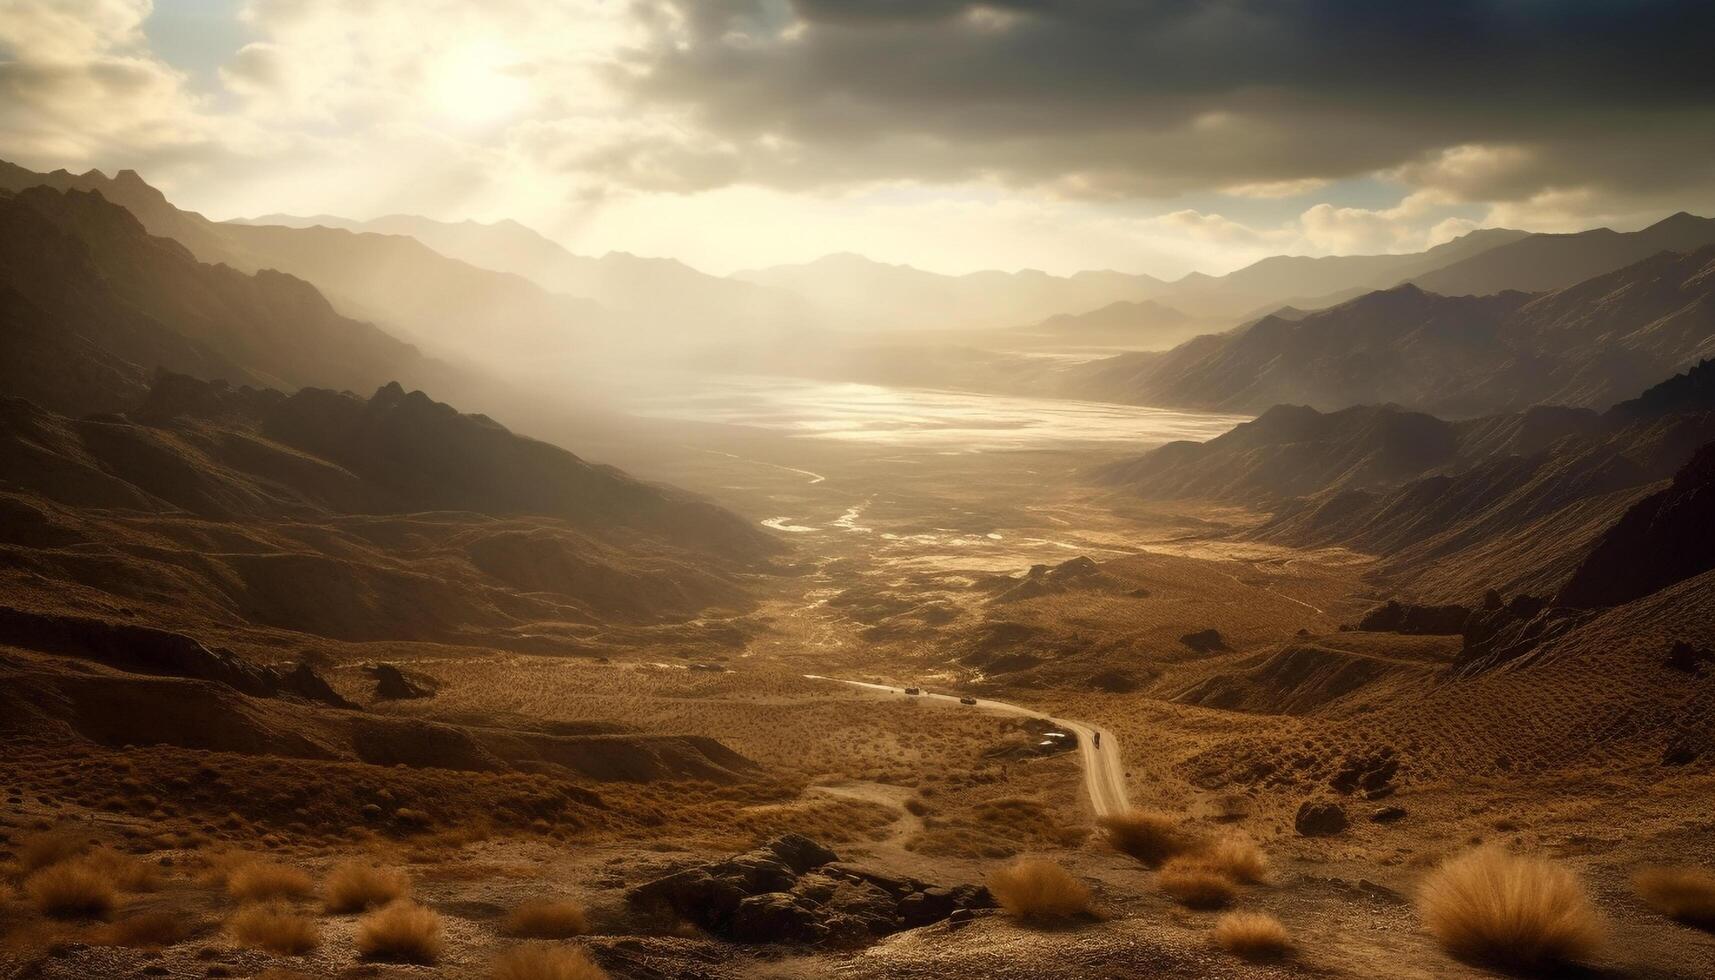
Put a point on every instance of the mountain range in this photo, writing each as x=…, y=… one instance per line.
x=1513, y=502
x=1588, y=344
x=138, y=379
x=665, y=295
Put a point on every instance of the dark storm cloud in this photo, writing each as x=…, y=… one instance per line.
x=1108, y=97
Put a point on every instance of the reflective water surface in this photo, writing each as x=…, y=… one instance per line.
x=927, y=419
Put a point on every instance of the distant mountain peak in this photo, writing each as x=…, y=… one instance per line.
x=1679, y=219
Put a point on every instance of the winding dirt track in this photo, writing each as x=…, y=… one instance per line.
x=1104, y=776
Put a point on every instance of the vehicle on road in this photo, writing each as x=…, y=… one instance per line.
x=913, y=690
x=967, y=700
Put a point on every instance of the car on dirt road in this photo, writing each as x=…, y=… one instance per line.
x=913, y=690
x=967, y=700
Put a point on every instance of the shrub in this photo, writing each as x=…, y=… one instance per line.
x=1193, y=883
x=546, y=963
x=1038, y=889
x=71, y=889
x=275, y=929
x=1493, y=907
x=1684, y=894
x=218, y=866
x=402, y=931
x=49, y=847
x=127, y=873
x=261, y=881
x=1252, y=936
x=149, y=930
x=1238, y=858
x=550, y=919
x=1150, y=837
x=356, y=886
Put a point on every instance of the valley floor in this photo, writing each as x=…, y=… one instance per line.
x=1218, y=665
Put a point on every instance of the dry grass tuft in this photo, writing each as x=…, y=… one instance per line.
x=1238, y=858
x=1148, y=836
x=1195, y=884
x=1490, y=906
x=127, y=873
x=149, y=930
x=357, y=886
x=275, y=929
x=546, y=963
x=261, y=881
x=218, y=865
x=403, y=931
x=1038, y=889
x=1683, y=894
x=70, y=890
x=1252, y=936
x=559, y=918
x=50, y=847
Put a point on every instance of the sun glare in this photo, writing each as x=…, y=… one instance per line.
x=479, y=83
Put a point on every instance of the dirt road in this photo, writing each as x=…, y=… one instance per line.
x=1104, y=776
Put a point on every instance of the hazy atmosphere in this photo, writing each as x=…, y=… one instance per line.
x=766, y=489
x=1160, y=138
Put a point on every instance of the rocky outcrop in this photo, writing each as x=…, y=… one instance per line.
x=793, y=890
x=1206, y=641
x=1510, y=632
x=1080, y=573
x=1665, y=538
x=393, y=684
x=163, y=653
x=1401, y=617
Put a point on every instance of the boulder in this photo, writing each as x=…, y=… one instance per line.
x=863, y=907
x=799, y=853
x=1689, y=659
x=391, y=684
x=794, y=890
x=1206, y=641
x=1319, y=819
x=1387, y=814
x=924, y=907
x=776, y=917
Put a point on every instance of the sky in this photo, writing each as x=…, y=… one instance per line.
x=1157, y=136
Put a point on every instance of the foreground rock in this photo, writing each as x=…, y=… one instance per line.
x=794, y=890
x=1316, y=819
x=393, y=684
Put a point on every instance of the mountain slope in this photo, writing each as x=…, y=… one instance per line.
x=1401, y=345
x=325, y=513
x=1513, y=502
x=1584, y=345
x=489, y=317
x=1664, y=538
x=1321, y=281
x=856, y=292
x=1126, y=323
x=1540, y=262
x=671, y=296
x=94, y=304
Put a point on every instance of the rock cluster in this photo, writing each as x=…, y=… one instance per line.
x=794, y=890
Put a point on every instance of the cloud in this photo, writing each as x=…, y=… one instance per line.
x=1105, y=99
x=631, y=116
x=78, y=84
